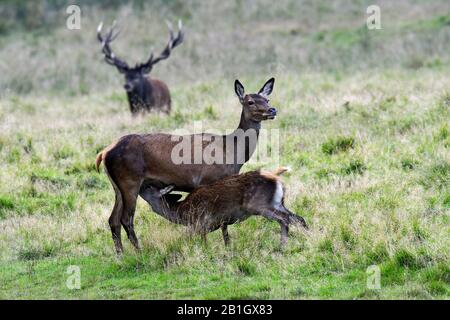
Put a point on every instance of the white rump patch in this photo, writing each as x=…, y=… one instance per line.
x=278, y=196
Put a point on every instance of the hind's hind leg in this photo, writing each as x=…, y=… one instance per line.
x=130, y=192
x=114, y=222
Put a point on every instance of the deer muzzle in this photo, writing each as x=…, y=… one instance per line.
x=128, y=87
x=271, y=113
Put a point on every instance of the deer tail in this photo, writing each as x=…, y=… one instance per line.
x=99, y=160
x=281, y=170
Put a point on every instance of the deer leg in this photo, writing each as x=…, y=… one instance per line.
x=282, y=218
x=168, y=106
x=129, y=208
x=293, y=218
x=204, y=239
x=128, y=223
x=284, y=234
x=226, y=237
x=114, y=219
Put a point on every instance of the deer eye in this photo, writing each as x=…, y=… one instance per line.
x=250, y=103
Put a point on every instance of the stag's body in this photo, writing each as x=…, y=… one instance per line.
x=144, y=94
x=149, y=94
x=226, y=202
x=137, y=161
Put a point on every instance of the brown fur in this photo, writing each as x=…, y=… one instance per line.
x=227, y=201
x=151, y=94
x=101, y=155
x=274, y=175
x=144, y=94
x=138, y=160
x=161, y=95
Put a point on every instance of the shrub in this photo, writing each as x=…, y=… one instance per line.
x=6, y=203
x=354, y=167
x=446, y=202
x=404, y=258
x=339, y=144
x=63, y=153
x=437, y=175
x=408, y=163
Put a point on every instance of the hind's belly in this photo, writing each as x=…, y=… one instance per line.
x=186, y=178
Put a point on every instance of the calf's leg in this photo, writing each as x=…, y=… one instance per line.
x=293, y=218
x=281, y=217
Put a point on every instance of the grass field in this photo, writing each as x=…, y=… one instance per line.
x=364, y=122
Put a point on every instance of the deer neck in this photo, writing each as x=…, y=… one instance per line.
x=248, y=124
x=244, y=140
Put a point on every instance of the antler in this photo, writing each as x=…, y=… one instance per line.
x=172, y=43
x=110, y=57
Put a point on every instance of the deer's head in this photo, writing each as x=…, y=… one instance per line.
x=256, y=106
x=135, y=75
x=156, y=195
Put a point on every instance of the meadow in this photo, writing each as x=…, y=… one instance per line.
x=364, y=122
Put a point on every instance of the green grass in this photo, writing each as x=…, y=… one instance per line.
x=372, y=194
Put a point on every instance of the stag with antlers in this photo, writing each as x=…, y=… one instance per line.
x=144, y=94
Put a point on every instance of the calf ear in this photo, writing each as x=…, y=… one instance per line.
x=267, y=88
x=239, y=89
x=166, y=190
x=173, y=197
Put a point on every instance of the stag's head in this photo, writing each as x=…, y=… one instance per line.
x=135, y=75
x=256, y=106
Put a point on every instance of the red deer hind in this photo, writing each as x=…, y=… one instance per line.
x=136, y=161
x=144, y=94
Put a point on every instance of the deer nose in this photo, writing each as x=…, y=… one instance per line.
x=127, y=87
x=273, y=111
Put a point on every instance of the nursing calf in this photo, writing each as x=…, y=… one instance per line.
x=229, y=200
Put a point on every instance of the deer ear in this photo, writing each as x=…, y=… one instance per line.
x=267, y=88
x=239, y=89
x=166, y=190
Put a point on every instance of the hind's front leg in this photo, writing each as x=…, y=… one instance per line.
x=226, y=236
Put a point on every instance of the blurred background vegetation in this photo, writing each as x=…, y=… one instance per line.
x=224, y=39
